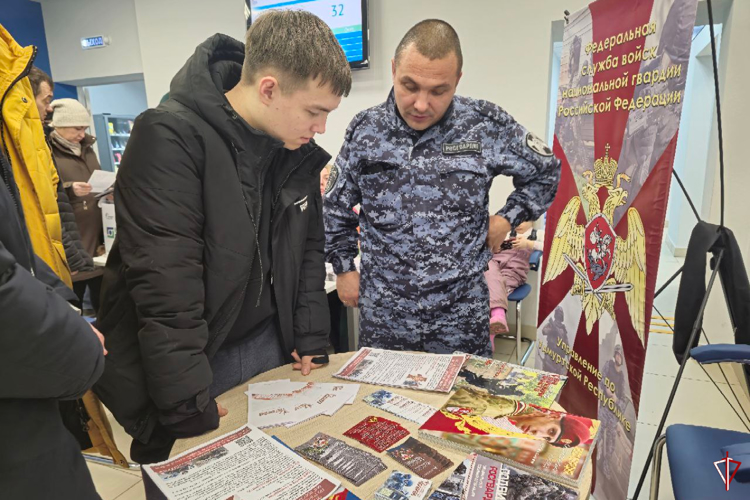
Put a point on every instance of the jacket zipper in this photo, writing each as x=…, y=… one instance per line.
x=257, y=227
x=284, y=347
x=20, y=77
x=278, y=193
x=257, y=230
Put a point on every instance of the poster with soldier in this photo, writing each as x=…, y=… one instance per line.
x=622, y=80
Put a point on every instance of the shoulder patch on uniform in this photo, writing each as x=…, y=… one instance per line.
x=332, y=178
x=534, y=143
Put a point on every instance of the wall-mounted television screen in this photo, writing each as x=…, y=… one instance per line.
x=347, y=19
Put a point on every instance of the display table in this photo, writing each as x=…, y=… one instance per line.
x=235, y=401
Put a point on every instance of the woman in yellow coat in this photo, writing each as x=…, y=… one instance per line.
x=24, y=145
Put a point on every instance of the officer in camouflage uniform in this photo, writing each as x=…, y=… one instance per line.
x=421, y=166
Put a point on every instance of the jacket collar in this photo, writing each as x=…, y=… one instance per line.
x=214, y=69
x=399, y=123
x=66, y=146
x=88, y=141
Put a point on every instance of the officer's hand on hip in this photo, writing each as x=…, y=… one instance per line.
x=499, y=229
x=347, y=286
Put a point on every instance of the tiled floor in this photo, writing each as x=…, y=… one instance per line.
x=114, y=482
x=697, y=402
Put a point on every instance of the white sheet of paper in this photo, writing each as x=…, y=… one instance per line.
x=246, y=464
x=258, y=388
x=410, y=370
x=400, y=406
x=281, y=402
x=101, y=180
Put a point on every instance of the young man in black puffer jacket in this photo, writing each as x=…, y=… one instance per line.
x=217, y=271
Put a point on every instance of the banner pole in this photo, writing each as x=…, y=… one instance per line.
x=718, y=105
x=687, y=196
x=669, y=281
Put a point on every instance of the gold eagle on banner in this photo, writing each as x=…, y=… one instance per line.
x=604, y=264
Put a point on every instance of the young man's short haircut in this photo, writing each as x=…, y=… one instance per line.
x=434, y=39
x=36, y=77
x=301, y=47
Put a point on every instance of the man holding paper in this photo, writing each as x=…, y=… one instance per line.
x=74, y=155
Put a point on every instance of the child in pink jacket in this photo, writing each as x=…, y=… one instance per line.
x=507, y=271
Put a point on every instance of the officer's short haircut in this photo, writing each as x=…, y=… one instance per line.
x=300, y=47
x=434, y=39
x=36, y=77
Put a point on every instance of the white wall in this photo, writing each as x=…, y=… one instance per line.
x=170, y=30
x=696, y=128
x=67, y=21
x=735, y=108
x=554, y=83
x=127, y=98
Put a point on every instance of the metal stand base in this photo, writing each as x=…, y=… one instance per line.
x=98, y=459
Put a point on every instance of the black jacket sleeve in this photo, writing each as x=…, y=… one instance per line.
x=47, y=351
x=77, y=257
x=312, y=322
x=46, y=275
x=159, y=211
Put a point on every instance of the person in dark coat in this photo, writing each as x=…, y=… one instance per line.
x=48, y=353
x=217, y=272
x=73, y=152
x=78, y=260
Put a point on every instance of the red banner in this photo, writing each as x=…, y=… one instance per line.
x=622, y=78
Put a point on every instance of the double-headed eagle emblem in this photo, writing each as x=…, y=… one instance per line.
x=604, y=264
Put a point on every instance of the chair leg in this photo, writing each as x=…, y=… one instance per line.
x=518, y=332
x=527, y=353
x=656, y=468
